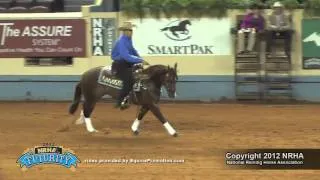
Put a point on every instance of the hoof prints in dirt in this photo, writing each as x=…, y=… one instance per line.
x=64, y=128
x=106, y=130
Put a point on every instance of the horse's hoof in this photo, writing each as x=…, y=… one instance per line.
x=136, y=133
x=94, y=131
x=79, y=121
x=175, y=135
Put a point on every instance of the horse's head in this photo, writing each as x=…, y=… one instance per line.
x=164, y=76
x=170, y=80
x=185, y=22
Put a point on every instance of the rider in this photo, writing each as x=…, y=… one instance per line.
x=124, y=56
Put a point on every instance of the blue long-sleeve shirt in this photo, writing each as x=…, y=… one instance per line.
x=124, y=50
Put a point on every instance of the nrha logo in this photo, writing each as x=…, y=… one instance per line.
x=97, y=37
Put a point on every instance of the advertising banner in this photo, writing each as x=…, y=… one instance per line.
x=183, y=37
x=42, y=38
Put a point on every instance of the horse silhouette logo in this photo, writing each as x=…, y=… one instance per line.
x=314, y=37
x=177, y=30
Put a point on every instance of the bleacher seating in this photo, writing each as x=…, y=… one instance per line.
x=41, y=6
x=2, y=9
x=17, y=9
x=45, y=3
x=75, y=5
x=23, y=3
x=25, y=6
x=250, y=83
x=39, y=9
x=5, y=3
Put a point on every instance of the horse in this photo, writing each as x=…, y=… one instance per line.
x=100, y=81
x=181, y=27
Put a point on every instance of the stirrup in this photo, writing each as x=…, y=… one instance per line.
x=124, y=104
x=125, y=101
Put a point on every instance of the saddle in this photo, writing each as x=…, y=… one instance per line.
x=107, y=71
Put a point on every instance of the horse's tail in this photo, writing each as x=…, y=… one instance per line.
x=76, y=99
x=164, y=29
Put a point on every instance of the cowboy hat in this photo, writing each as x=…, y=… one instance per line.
x=126, y=26
x=277, y=4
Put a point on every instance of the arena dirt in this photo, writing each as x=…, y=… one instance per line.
x=205, y=131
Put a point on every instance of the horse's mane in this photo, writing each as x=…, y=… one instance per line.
x=155, y=70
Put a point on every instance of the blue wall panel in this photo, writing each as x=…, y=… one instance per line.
x=16, y=91
x=307, y=92
x=212, y=91
x=61, y=88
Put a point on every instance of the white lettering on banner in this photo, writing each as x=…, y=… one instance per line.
x=77, y=49
x=50, y=31
x=45, y=42
x=204, y=36
x=110, y=39
x=97, y=39
x=51, y=49
x=64, y=50
x=192, y=49
x=4, y=32
x=38, y=50
x=24, y=50
x=7, y=50
x=34, y=31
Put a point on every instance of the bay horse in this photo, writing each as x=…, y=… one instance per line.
x=100, y=81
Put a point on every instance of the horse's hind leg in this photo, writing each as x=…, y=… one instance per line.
x=156, y=111
x=136, y=123
x=88, y=107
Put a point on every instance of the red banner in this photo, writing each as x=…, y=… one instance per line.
x=43, y=38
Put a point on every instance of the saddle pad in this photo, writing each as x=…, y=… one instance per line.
x=107, y=79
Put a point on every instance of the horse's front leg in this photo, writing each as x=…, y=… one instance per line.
x=156, y=111
x=136, y=123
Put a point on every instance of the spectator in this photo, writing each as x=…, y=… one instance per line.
x=279, y=24
x=252, y=23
